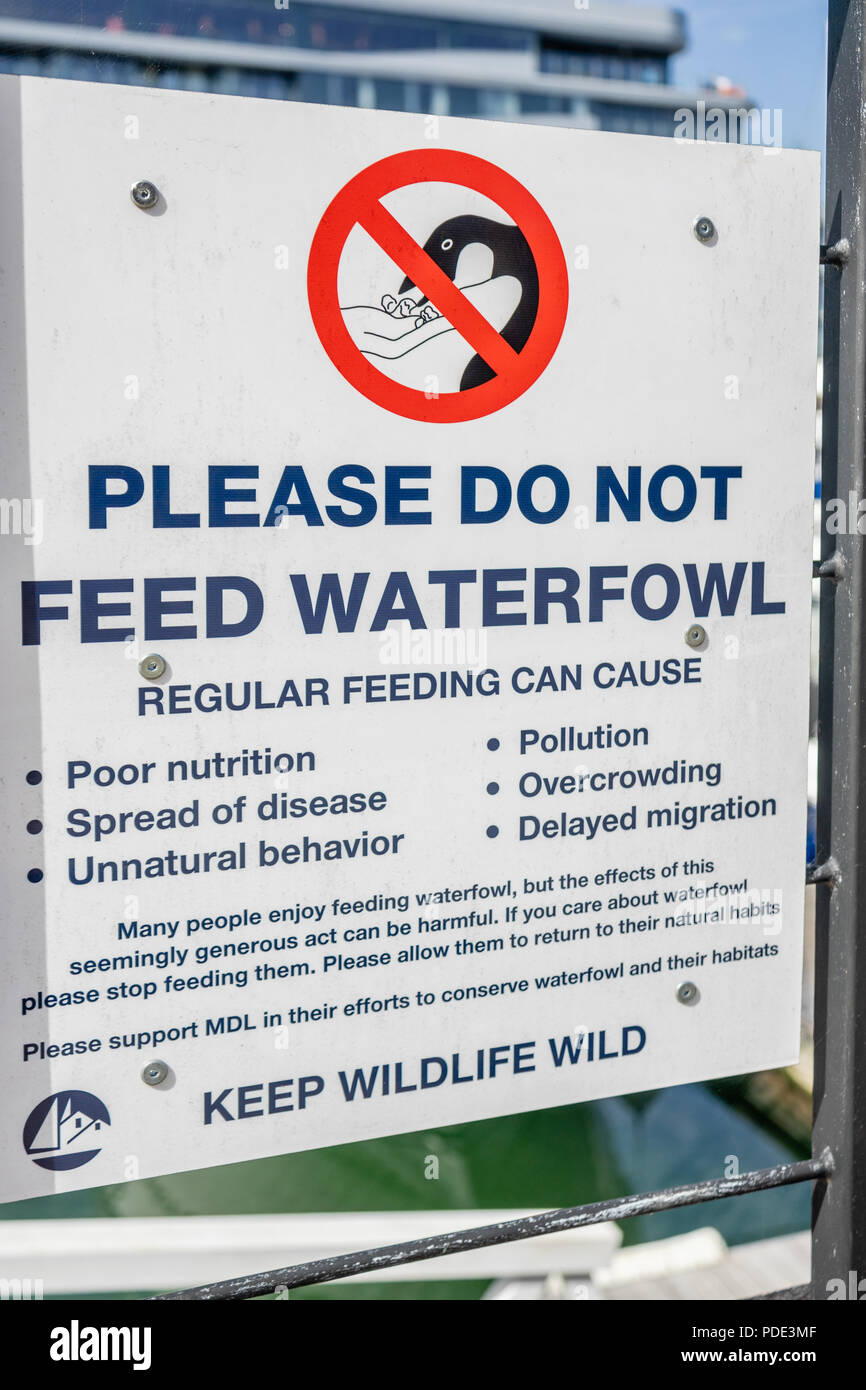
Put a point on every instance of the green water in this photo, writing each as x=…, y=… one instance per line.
x=562, y=1157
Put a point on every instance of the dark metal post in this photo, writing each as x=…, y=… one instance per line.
x=839, y=1215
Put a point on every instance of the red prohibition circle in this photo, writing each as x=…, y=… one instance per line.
x=358, y=203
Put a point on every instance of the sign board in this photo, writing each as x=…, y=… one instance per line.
x=406, y=601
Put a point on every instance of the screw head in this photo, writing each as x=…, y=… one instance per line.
x=154, y=1073
x=144, y=194
x=688, y=993
x=705, y=229
x=152, y=667
x=696, y=636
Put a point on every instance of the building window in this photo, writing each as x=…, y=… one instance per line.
x=419, y=97
x=390, y=95
x=622, y=64
x=460, y=35
x=342, y=90
x=645, y=70
x=463, y=101
x=326, y=88
x=304, y=23
x=498, y=105
x=633, y=120
x=348, y=31
x=541, y=103
x=312, y=86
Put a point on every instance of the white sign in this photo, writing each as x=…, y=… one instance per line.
x=406, y=598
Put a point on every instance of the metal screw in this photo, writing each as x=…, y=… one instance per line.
x=705, y=229
x=696, y=636
x=152, y=667
x=154, y=1073
x=144, y=194
x=688, y=993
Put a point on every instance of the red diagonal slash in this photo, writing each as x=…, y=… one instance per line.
x=414, y=261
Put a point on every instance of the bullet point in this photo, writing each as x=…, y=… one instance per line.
x=492, y=788
x=34, y=827
x=493, y=744
x=492, y=831
x=34, y=778
x=35, y=875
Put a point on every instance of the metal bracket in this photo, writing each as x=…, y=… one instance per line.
x=833, y=569
x=828, y=872
x=837, y=254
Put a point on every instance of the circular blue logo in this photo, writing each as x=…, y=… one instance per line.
x=61, y=1130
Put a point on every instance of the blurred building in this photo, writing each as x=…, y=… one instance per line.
x=565, y=62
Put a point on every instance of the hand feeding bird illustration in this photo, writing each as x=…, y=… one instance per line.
x=512, y=256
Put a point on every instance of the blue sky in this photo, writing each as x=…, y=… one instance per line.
x=776, y=49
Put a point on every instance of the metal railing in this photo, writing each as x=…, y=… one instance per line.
x=458, y=1242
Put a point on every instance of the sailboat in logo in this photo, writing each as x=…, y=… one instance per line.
x=60, y=1131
